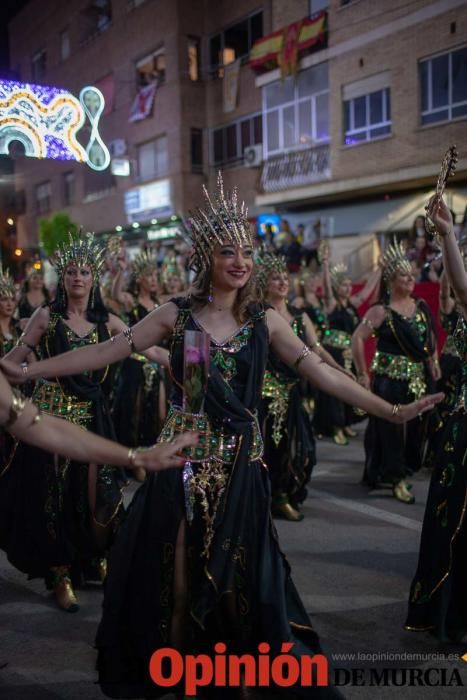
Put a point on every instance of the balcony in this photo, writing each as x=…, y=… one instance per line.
x=295, y=169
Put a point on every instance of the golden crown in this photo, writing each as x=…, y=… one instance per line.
x=225, y=221
x=394, y=259
x=81, y=250
x=144, y=262
x=171, y=268
x=267, y=263
x=7, y=284
x=339, y=273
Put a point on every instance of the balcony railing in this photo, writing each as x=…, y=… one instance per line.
x=295, y=169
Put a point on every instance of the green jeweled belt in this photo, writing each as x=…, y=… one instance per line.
x=212, y=443
x=336, y=339
x=401, y=368
x=450, y=347
x=49, y=398
x=279, y=393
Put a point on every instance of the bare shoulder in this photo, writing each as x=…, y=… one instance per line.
x=115, y=324
x=165, y=314
x=375, y=314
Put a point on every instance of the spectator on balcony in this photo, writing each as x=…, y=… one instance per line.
x=290, y=248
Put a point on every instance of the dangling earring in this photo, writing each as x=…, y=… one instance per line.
x=210, y=292
x=92, y=296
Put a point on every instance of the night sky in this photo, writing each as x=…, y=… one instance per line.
x=8, y=10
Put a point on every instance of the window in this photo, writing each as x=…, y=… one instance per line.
x=443, y=83
x=43, y=195
x=151, y=68
x=132, y=4
x=64, y=45
x=68, y=188
x=234, y=42
x=193, y=58
x=315, y=6
x=367, y=117
x=230, y=141
x=153, y=159
x=39, y=65
x=296, y=112
x=96, y=18
x=197, y=150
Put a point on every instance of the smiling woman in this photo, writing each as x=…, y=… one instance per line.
x=218, y=575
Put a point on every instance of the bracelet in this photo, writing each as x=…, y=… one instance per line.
x=18, y=404
x=128, y=334
x=132, y=456
x=304, y=353
x=316, y=345
x=24, y=366
x=366, y=322
x=395, y=409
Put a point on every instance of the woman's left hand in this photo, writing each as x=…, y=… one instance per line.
x=416, y=408
x=435, y=370
x=165, y=455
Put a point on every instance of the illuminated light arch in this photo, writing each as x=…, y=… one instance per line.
x=46, y=121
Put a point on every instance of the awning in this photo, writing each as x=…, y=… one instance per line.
x=284, y=47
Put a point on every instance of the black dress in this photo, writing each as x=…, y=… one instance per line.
x=438, y=600
x=400, y=375
x=331, y=413
x=7, y=343
x=136, y=411
x=289, y=444
x=53, y=511
x=239, y=585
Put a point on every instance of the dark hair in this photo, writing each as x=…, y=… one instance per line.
x=413, y=229
x=25, y=286
x=96, y=312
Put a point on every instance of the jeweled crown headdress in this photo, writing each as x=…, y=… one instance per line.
x=82, y=250
x=267, y=263
x=339, y=273
x=7, y=284
x=394, y=259
x=171, y=268
x=146, y=260
x=224, y=221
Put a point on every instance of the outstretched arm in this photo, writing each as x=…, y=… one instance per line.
x=289, y=348
x=59, y=436
x=148, y=332
x=370, y=285
x=315, y=345
x=453, y=262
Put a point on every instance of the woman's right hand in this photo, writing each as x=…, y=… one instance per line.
x=165, y=455
x=15, y=374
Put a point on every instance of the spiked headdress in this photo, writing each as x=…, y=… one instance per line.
x=81, y=250
x=7, y=285
x=171, y=268
x=394, y=259
x=223, y=221
x=144, y=261
x=339, y=273
x=267, y=263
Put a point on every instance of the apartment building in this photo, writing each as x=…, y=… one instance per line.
x=332, y=114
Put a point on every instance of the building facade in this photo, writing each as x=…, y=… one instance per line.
x=341, y=125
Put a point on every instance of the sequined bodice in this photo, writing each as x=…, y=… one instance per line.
x=232, y=357
x=343, y=318
x=460, y=341
x=386, y=339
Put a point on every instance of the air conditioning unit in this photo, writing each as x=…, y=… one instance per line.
x=253, y=155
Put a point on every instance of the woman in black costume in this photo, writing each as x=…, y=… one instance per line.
x=289, y=443
x=139, y=406
x=34, y=294
x=333, y=417
x=197, y=560
x=308, y=300
x=438, y=601
x=9, y=334
x=60, y=526
x=405, y=365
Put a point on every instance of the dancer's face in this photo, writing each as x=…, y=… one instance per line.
x=344, y=290
x=311, y=284
x=78, y=281
x=232, y=266
x=36, y=281
x=7, y=306
x=277, y=286
x=173, y=284
x=149, y=282
x=403, y=283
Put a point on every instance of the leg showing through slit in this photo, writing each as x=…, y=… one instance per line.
x=180, y=590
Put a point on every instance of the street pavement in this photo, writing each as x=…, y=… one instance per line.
x=353, y=557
